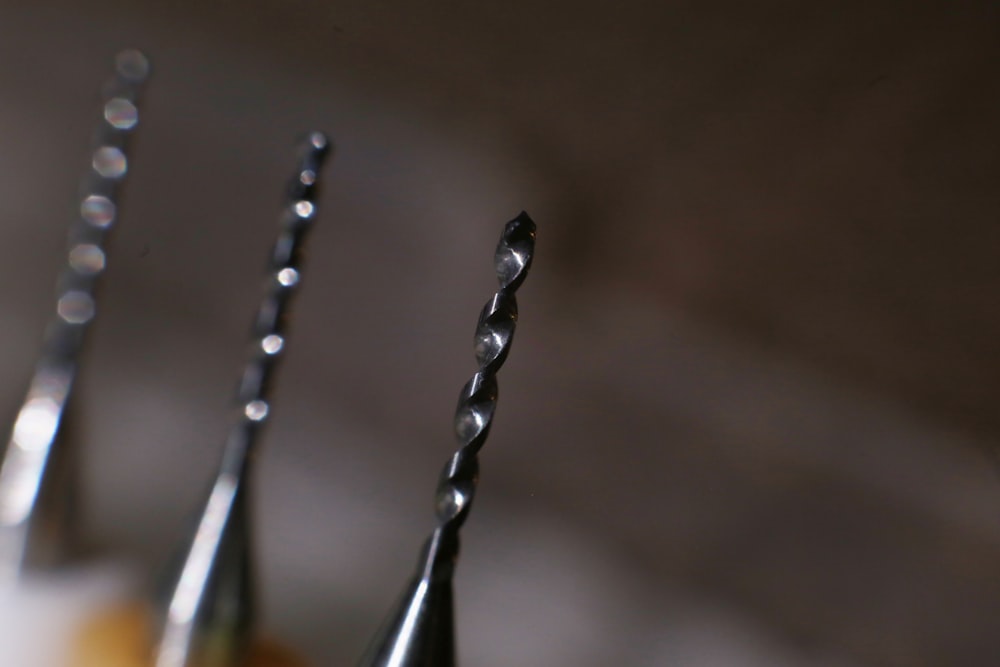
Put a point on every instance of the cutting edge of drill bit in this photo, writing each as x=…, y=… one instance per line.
x=188, y=634
x=419, y=633
x=33, y=527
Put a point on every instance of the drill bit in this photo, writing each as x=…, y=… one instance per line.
x=420, y=632
x=206, y=612
x=37, y=474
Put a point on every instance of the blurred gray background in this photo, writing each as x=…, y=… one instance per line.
x=749, y=418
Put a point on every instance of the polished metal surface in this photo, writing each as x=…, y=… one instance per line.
x=420, y=631
x=37, y=475
x=207, y=605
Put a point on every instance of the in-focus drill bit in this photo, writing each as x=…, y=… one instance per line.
x=420, y=632
x=38, y=472
x=207, y=607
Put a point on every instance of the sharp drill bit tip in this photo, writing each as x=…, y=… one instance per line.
x=206, y=607
x=420, y=631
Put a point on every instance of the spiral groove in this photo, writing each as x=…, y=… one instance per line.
x=478, y=399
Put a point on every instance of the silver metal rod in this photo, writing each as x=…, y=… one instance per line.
x=38, y=471
x=207, y=605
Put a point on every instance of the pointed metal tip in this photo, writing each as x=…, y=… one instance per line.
x=522, y=222
x=515, y=252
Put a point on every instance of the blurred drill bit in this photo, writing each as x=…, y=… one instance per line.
x=206, y=611
x=420, y=632
x=37, y=476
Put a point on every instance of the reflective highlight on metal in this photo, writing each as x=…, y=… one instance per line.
x=37, y=472
x=420, y=632
x=206, y=610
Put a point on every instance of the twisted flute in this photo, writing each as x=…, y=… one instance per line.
x=38, y=472
x=206, y=609
x=420, y=633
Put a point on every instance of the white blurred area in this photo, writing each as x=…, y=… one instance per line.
x=41, y=619
x=659, y=489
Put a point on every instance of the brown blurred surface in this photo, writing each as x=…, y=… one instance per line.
x=120, y=638
x=749, y=415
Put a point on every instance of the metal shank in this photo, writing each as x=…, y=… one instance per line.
x=38, y=473
x=207, y=602
x=420, y=633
